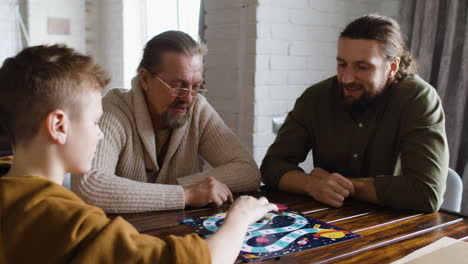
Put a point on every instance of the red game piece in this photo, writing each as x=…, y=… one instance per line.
x=281, y=207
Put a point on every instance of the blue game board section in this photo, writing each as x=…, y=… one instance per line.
x=282, y=234
x=255, y=233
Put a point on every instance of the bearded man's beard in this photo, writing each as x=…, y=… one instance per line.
x=176, y=120
x=359, y=104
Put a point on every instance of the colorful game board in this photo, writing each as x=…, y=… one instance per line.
x=277, y=234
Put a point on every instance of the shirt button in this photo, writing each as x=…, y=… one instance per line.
x=360, y=125
x=355, y=156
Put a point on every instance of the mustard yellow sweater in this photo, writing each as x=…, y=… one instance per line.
x=42, y=222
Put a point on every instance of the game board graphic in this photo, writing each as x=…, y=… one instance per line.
x=277, y=234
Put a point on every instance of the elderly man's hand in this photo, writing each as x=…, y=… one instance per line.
x=207, y=191
x=329, y=188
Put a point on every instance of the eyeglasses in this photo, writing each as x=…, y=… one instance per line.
x=182, y=92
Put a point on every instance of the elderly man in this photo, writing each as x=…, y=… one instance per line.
x=156, y=133
x=376, y=129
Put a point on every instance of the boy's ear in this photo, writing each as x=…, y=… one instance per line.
x=57, y=126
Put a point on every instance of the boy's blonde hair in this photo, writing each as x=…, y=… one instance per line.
x=41, y=79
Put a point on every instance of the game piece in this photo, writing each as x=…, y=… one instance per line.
x=267, y=218
x=276, y=234
x=281, y=207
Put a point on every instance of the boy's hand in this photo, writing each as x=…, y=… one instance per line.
x=226, y=243
x=207, y=191
x=249, y=209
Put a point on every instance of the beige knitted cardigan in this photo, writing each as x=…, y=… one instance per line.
x=125, y=174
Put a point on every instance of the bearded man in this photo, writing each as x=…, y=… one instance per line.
x=376, y=129
x=156, y=135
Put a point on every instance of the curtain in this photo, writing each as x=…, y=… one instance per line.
x=437, y=32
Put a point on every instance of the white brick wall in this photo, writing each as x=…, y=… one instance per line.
x=288, y=62
x=271, y=14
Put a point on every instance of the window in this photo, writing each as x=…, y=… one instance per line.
x=163, y=15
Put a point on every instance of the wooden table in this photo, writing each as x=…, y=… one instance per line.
x=388, y=234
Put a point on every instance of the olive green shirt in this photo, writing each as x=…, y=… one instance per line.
x=399, y=139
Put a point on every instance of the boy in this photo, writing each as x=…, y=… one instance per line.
x=50, y=107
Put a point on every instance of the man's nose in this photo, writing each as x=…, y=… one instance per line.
x=348, y=76
x=187, y=98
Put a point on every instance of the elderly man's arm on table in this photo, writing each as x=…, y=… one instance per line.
x=232, y=165
x=114, y=194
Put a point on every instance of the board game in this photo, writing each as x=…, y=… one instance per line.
x=277, y=234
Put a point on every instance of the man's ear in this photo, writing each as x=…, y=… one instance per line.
x=144, y=77
x=57, y=126
x=394, y=66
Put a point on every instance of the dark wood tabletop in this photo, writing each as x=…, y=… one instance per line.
x=387, y=234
